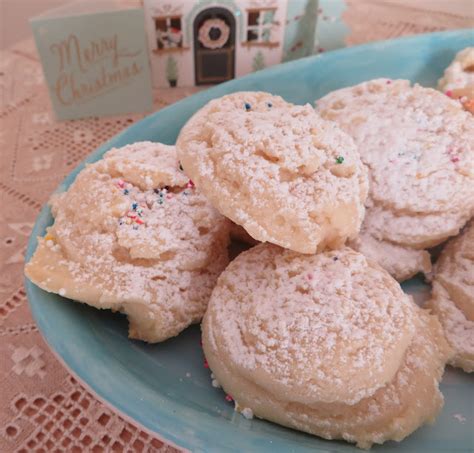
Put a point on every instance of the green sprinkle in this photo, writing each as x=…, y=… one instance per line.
x=339, y=159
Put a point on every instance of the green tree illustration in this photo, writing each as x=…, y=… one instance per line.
x=303, y=44
x=258, y=61
x=171, y=71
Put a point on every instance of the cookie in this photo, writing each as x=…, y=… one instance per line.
x=419, y=148
x=460, y=73
x=417, y=231
x=132, y=234
x=279, y=170
x=453, y=296
x=328, y=344
x=458, y=79
x=400, y=262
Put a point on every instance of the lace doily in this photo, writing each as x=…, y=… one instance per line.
x=42, y=408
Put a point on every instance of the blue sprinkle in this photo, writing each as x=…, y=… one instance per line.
x=247, y=106
x=126, y=192
x=185, y=193
x=270, y=104
x=134, y=206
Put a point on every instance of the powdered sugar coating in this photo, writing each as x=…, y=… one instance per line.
x=294, y=322
x=274, y=321
x=453, y=296
x=132, y=234
x=279, y=170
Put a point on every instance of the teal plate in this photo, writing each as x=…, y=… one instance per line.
x=165, y=387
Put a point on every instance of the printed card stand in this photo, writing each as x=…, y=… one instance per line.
x=95, y=59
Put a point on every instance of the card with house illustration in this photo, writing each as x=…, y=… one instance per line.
x=198, y=42
x=95, y=59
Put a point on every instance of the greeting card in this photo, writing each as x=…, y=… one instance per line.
x=95, y=59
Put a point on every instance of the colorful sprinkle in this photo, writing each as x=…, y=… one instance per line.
x=121, y=183
x=190, y=184
x=269, y=104
x=206, y=365
x=126, y=192
x=449, y=93
x=229, y=398
x=455, y=159
x=247, y=106
x=339, y=159
x=181, y=167
x=139, y=221
x=310, y=276
x=134, y=206
x=335, y=258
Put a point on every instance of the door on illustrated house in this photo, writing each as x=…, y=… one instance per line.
x=214, y=46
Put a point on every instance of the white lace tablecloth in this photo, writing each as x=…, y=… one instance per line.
x=42, y=407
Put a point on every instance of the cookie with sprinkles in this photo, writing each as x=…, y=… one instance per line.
x=418, y=145
x=279, y=170
x=132, y=234
x=458, y=79
x=328, y=344
x=453, y=296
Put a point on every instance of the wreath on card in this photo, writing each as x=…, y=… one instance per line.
x=213, y=33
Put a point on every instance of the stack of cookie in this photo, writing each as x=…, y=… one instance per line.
x=301, y=329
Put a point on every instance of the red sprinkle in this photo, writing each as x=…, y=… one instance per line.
x=139, y=221
x=229, y=398
x=310, y=276
x=455, y=159
x=206, y=365
x=190, y=184
x=449, y=93
x=131, y=215
x=121, y=183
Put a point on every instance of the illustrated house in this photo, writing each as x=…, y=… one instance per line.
x=197, y=42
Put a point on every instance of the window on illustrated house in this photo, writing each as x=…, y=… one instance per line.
x=168, y=32
x=259, y=26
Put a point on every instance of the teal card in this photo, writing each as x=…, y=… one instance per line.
x=95, y=64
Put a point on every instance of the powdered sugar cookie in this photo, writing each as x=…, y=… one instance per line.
x=419, y=147
x=453, y=296
x=417, y=231
x=132, y=234
x=328, y=344
x=458, y=79
x=400, y=262
x=460, y=73
x=277, y=169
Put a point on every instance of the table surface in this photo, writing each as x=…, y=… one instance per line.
x=42, y=407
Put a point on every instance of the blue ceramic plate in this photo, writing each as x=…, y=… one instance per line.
x=165, y=387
